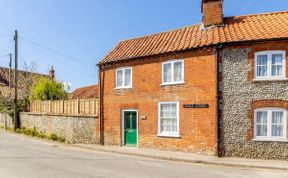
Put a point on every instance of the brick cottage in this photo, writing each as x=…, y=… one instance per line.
x=216, y=88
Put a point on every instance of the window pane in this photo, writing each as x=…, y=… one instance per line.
x=262, y=70
x=277, y=130
x=277, y=117
x=277, y=64
x=178, y=71
x=277, y=124
x=262, y=60
x=119, y=82
x=262, y=65
x=167, y=73
x=127, y=77
x=277, y=59
x=168, y=118
x=261, y=117
x=261, y=130
x=261, y=123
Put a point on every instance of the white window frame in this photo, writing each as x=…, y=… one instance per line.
x=172, y=72
x=269, y=136
x=269, y=65
x=123, y=77
x=168, y=134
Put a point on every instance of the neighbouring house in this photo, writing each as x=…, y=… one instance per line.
x=88, y=92
x=218, y=87
x=25, y=80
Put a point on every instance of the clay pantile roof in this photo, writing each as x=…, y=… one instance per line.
x=4, y=75
x=235, y=29
x=88, y=92
x=4, y=81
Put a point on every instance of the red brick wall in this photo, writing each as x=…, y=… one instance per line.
x=198, y=127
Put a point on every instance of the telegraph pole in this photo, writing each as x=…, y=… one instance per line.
x=16, y=124
x=10, y=74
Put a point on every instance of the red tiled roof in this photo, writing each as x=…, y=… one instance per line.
x=88, y=92
x=235, y=29
x=4, y=75
x=28, y=76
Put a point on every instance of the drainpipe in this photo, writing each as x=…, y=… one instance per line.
x=218, y=48
x=101, y=79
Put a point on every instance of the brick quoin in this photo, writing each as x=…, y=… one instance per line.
x=198, y=127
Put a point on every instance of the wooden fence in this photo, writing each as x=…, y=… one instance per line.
x=72, y=107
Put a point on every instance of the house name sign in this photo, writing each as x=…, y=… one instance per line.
x=196, y=105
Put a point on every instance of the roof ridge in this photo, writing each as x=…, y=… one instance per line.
x=234, y=30
x=157, y=33
x=200, y=23
x=260, y=14
x=24, y=71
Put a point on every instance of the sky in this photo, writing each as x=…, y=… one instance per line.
x=73, y=35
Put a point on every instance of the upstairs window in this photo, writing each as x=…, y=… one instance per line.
x=270, y=65
x=124, y=77
x=270, y=123
x=173, y=72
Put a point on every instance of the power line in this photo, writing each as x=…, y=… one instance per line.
x=4, y=24
x=55, y=51
x=5, y=55
x=8, y=46
x=64, y=64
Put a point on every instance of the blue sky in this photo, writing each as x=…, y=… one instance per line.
x=72, y=35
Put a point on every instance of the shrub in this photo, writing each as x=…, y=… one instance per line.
x=47, y=89
x=52, y=136
x=19, y=131
x=61, y=139
x=34, y=133
x=41, y=135
x=28, y=132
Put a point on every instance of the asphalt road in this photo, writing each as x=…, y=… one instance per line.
x=25, y=157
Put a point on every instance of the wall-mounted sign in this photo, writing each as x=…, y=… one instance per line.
x=196, y=105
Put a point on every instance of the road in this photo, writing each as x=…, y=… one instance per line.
x=25, y=157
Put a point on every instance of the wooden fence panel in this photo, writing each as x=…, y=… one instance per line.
x=82, y=106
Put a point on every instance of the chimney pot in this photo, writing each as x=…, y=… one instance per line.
x=52, y=73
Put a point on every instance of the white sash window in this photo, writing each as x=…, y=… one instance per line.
x=173, y=72
x=270, y=123
x=168, y=119
x=270, y=65
x=124, y=77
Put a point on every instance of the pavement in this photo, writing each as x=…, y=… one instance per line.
x=191, y=157
x=28, y=157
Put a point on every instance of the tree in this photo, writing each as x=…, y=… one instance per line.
x=47, y=89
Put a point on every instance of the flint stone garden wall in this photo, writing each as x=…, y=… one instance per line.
x=75, y=129
x=238, y=92
x=6, y=118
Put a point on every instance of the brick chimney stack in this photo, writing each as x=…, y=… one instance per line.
x=52, y=73
x=212, y=12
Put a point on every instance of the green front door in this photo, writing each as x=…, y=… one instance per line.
x=130, y=128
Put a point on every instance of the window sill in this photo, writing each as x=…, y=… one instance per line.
x=122, y=88
x=176, y=83
x=270, y=140
x=169, y=136
x=270, y=80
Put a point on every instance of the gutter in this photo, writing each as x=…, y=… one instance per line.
x=101, y=86
x=218, y=48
